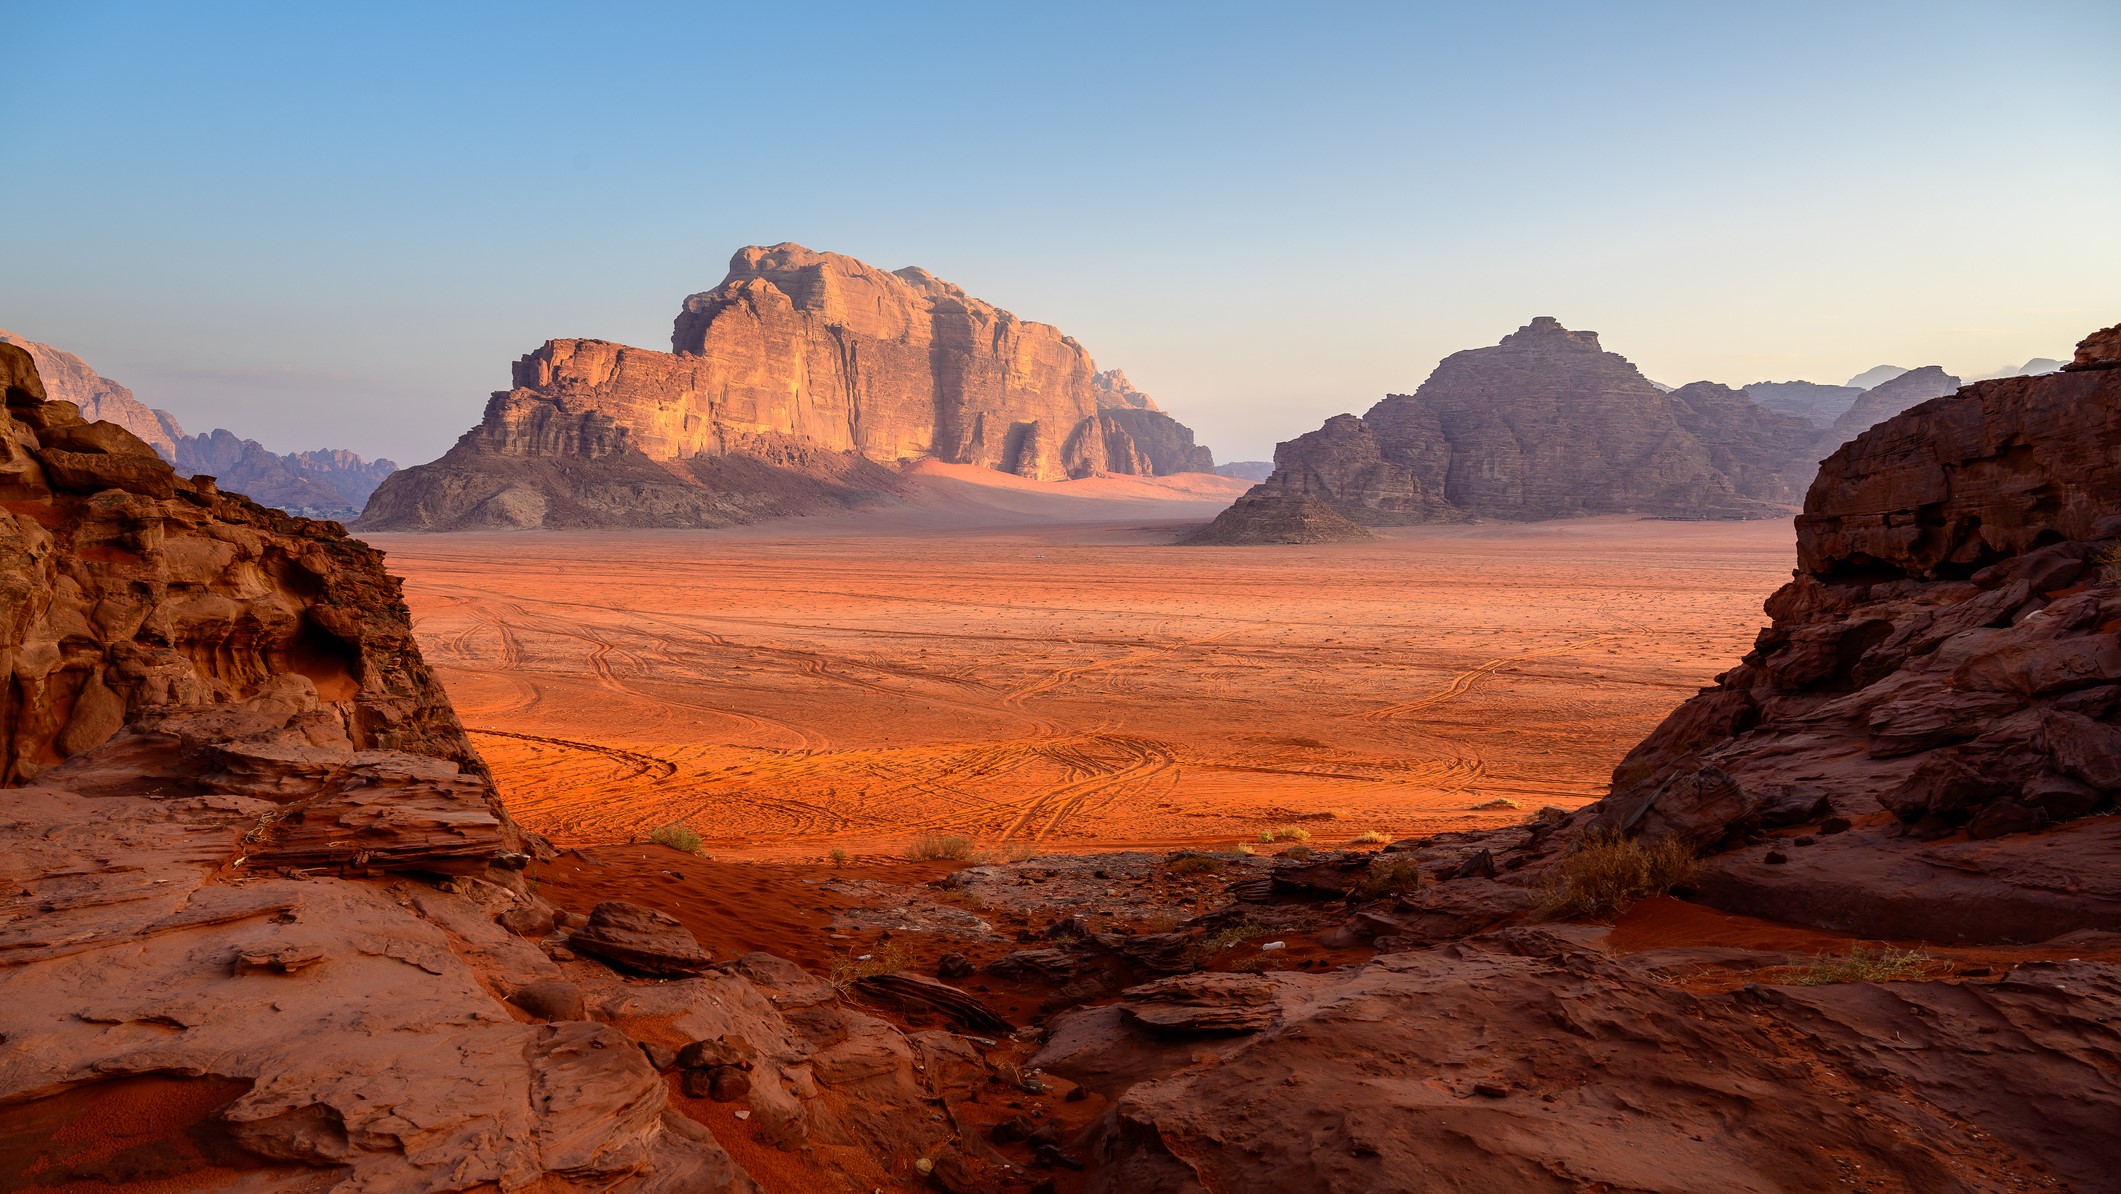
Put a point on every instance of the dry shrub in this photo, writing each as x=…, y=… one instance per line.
x=1238, y=933
x=1012, y=852
x=1859, y=966
x=1194, y=864
x=1389, y=877
x=1299, y=853
x=1606, y=874
x=676, y=836
x=1285, y=833
x=1368, y=838
x=885, y=959
x=2109, y=560
x=940, y=845
x=1500, y=802
x=837, y=855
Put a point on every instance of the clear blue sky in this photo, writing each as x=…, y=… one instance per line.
x=337, y=225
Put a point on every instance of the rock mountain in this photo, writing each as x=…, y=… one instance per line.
x=1545, y=424
x=331, y=483
x=798, y=384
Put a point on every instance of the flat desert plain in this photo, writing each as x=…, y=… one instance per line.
x=810, y=684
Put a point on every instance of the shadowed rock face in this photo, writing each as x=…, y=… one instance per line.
x=1944, y=673
x=1545, y=424
x=231, y=785
x=820, y=365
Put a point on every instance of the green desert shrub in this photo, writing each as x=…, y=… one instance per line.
x=1606, y=874
x=676, y=836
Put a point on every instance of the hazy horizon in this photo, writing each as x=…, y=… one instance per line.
x=321, y=231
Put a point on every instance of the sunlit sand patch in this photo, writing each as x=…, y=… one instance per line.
x=787, y=690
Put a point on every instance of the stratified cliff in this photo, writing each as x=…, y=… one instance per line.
x=1940, y=689
x=1545, y=424
x=328, y=483
x=788, y=389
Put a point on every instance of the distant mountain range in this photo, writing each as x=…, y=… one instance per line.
x=330, y=483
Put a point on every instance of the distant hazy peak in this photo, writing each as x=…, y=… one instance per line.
x=1875, y=376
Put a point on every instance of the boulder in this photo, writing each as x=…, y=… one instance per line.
x=640, y=939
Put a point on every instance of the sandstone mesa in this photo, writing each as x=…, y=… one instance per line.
x=797, y=385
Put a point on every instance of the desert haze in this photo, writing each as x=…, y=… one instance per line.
x=1075, y=685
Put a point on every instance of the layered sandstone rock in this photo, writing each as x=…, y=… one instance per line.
x=813, y=367
x=1545, y=424
x=329, y=483
x=1942, y=679
x=233, y=788
x=67, y=378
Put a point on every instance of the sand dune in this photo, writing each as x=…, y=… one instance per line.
x=788, y=687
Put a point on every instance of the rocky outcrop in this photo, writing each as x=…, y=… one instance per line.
x=1883, y=401
x=1114, y=390
x=67, y=378
x=1544, y=425
x=329, y=483
x=250, y=864
x=1942, y=682
x=791, y=387
x=1529, y=1059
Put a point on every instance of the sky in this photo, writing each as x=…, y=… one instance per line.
x=338, y=225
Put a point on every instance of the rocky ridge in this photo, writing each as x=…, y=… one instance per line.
x=1921, y=749
x=1545, y=424
x=328, y=483
x=796, y=385
x=261, y=904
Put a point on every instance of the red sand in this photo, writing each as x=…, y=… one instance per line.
x=790, y=688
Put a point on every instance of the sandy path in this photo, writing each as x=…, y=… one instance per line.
x=789, y=688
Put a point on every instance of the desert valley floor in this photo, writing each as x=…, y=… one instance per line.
x=804, y=685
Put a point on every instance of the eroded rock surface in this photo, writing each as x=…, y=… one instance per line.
x=1943, y=676
x=792, y=387
x=233, y=790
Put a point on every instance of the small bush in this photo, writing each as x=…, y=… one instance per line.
x=1285, y=833
x=847, y=968
x=940, y=845
x=1238, y=933
x=676, y=836
x=2109, y=560
x=1500, y=802
x=837, y=855
x=1012, y=852
x=1243, y=850
x=1194, y=864
x=1299, y=853
x=1389, y=877
x=1605, y=875
x=1369, y=838
x=1860, y=966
